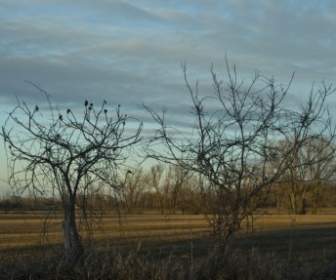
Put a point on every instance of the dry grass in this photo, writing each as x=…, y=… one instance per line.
x=282, y=247
x=25, y=229
x=134, y=265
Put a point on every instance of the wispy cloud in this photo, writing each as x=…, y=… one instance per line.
x=129, y=51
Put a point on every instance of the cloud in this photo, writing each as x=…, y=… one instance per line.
x=130, y=52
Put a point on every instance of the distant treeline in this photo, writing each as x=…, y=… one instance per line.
x=169, y=190
x=17, y=203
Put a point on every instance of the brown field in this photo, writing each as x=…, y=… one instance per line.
x=280, y=247
x=19, y=230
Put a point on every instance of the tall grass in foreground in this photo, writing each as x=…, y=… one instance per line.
x=134, y=265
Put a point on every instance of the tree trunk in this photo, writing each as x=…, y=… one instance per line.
x=293, y=203
x=73, y=248
x=303, y=206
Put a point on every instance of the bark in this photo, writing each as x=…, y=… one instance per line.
x=303, y=206
x=73, y=248
x=298, y=204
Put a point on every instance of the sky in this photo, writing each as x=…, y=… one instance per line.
x=130, y=52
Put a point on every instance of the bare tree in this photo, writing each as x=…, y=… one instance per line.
x=233, y=144
x=176, y=178
x=67, y=154
x=310, y=167
x=155, y=181
x=134, y=189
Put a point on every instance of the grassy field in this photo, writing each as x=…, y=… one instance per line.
x=19, y=230
x=168, y=246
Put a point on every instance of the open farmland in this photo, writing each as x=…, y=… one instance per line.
x=280, y=244
x=29, y=229
x=18, y=230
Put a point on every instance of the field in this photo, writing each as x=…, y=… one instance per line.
x=281, y=246
x=32, y=229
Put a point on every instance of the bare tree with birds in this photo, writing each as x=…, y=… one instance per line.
x=68, y=153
